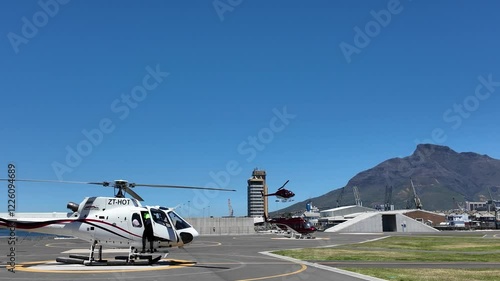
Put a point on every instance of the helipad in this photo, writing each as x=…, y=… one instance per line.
x=55, y=267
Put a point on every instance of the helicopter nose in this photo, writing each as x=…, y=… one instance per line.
x=186, y=237
x=194, y=232
x=188, y=234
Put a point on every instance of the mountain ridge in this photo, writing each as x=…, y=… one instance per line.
x=440, y=175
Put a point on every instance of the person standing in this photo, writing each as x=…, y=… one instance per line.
x=148, y=233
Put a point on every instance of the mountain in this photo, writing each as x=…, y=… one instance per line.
x=440, y=176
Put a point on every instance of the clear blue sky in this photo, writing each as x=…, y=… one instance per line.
x=408, y=79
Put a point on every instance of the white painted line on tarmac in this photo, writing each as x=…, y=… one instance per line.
x=324, y=267
x=66, y=238
x=375, y=239
x=104, y=251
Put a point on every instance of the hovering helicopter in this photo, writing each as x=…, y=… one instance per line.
x=116, y=222
x=282, y=194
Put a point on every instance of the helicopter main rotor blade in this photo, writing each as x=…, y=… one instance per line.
x=284, y=184
x=55, y=181
x=133, y=194
x=120, y=184
x=181, y=186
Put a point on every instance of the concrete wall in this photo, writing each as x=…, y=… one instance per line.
x=412, y=225
x=223, y=226
x=364, y=223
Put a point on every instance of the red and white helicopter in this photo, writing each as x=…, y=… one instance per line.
x=283, y=194
x=116, y=222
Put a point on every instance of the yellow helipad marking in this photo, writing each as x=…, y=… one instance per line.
x=54, y=267
x=300, y=239
x=302, y=268
x=60, y=245
x=204, y=244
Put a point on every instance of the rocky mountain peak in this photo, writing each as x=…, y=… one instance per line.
x=438, y=172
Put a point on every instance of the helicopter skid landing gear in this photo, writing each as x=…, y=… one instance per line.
x=134, y=258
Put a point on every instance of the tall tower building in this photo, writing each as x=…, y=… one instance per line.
x=257, y=204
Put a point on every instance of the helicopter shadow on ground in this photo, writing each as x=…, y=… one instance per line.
x=188, y=263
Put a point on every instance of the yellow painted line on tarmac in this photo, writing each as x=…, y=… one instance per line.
x=203, y=245
x=61, y=245
x=300, y=239
x=28, y=267
x=303, y=267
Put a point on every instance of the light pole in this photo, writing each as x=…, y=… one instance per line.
x=189, y=209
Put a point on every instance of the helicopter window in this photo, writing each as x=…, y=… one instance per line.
x=136, y=220
x=159, y=217
x=135, y=203
x=178, y=222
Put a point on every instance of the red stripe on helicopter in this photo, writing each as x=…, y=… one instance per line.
x=107, y=223
x=35, y=225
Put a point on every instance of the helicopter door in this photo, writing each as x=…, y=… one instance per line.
x=170, y=230
x=161, y=225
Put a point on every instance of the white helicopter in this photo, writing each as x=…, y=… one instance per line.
x=116, y=222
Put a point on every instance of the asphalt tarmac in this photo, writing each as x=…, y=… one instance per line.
x=243, y=258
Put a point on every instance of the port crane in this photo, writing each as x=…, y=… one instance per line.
x=388, y=198
x=231, y=211
x=357, y=197
x=416, y=199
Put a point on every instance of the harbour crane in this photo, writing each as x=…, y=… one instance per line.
x=357, y=198
x=460, y=205
x=416, y=199
x=231, y=211
x=388, y=198
x=339, y=199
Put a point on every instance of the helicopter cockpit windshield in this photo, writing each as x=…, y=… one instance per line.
x=177, y=221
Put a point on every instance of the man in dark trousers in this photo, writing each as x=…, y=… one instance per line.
x=148, y=233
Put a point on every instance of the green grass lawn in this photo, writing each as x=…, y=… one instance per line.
x=414, y=249
x=435, y=243
x=426, y=274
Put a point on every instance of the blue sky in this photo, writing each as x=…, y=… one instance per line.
x=174, y=92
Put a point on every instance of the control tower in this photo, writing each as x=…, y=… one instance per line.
x=257, y=204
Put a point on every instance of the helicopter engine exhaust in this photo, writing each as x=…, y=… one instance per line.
x=72, y=206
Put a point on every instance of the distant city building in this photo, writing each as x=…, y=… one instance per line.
x=257, y=204
x=475, y=206
x=489, y=205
